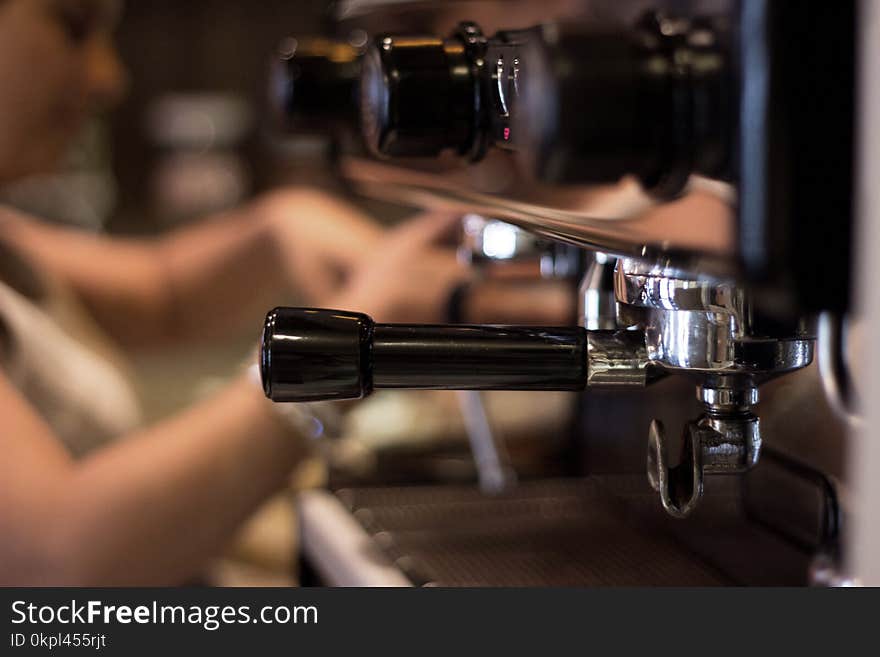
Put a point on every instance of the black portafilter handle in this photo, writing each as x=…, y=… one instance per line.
x=314, y=355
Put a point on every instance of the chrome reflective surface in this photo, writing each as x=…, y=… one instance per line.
x=597, y=302
x=689, y=340
x=835, y=377
x=695, y=231
x=718, y=442
x=701, y=326
x=864, y=559
x=494, y=471
x=616, y=359
x=728, y=445
x=646, y=284
x=735, y=398
x=690, y=323
x=484, y=238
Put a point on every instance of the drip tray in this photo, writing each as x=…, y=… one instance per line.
x=549, y=533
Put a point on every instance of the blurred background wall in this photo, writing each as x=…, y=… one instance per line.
x=191, y=136
x=203, y=64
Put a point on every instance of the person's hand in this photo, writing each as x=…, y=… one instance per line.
x=406, y=276
x=322, y=239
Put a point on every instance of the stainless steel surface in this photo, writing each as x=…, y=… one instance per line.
x=597, y=303
x=655, y=284
x=831, y=358
x=700, y=326
x=544, y=533
x=489, y=239
x=864, y=556
x=616, y=359
x=826, y=572
x=493, y=468
x=716, y=443
x=687, y=340
x=690, y=323
x=696, y=323
x=338, y=548
x=620, y=219
x=724, y=398
x=665, y=480
x=729, y=445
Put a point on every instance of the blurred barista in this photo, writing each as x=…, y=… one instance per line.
x=151, y=508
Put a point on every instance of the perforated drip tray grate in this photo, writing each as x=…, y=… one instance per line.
x=559, y=533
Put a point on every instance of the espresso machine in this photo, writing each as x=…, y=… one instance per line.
x=695, y=168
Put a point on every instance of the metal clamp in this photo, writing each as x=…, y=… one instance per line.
x=724, y=440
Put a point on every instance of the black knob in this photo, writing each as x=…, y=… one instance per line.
x=652, y=100
x=313, y=84
x=419, y=95
x=310, y=355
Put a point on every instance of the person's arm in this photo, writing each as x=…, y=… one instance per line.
x=148, y=510
x=204, y=279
